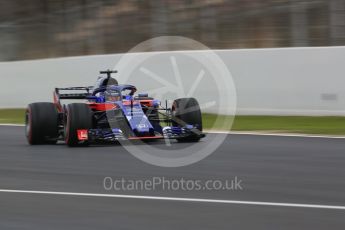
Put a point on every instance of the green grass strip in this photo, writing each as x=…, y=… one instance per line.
x=328, y=125
x=12, y=116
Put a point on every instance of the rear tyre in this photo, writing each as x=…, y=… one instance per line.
x=186, y=111
x=41, y=123
x=77, y=116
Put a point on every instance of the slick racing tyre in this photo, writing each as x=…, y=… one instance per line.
x=41, y=123
x=78, y=116
x=187, y=111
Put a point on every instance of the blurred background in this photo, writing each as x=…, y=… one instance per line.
x=35, y=29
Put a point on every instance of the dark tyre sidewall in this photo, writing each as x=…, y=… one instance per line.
x=78, y=116
x=179, y=108
x=180, y=111
x=41, y=123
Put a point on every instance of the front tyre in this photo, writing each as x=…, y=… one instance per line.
x=41, y=123
x=78, y=116
x=186, y=111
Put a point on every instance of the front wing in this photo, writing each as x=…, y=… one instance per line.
x=115, y=134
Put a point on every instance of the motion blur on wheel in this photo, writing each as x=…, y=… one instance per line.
x=110, y=112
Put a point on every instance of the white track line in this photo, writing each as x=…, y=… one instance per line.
x=15, y=125
x=239, y=202
x=273, y=134
x=246, y=133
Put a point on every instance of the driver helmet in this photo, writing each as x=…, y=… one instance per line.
x=112, y=95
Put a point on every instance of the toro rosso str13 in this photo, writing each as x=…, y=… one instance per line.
x=110, y=112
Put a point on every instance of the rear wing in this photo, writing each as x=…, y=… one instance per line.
x=84, y=93
x=81, y=95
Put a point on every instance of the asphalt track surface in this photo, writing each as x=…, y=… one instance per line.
x=272, y=168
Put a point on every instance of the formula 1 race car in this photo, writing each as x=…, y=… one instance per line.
x=110, y=112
